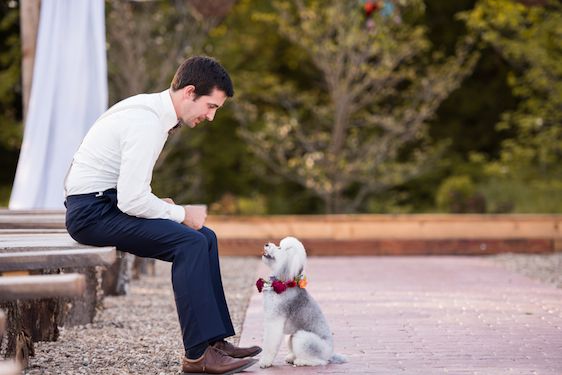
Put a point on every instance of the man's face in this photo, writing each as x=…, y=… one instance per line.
x=194, y=111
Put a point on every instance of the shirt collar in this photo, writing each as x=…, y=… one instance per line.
x=169, y=119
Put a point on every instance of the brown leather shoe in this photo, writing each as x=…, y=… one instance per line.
x=236, y=352
x=215, y=361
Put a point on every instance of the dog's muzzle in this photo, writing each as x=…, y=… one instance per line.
x=265, y=253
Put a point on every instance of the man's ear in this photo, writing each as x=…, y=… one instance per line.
x=189, y=91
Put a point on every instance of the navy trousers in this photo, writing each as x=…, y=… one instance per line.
x=93, y=219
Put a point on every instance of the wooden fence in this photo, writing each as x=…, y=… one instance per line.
x=393, y=234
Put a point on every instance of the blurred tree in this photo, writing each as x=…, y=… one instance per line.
x=468, y=116
x=359, y=126
x=281, y=81
x=465, y=120
x=148, y=40
x=10, y=95
x=256, y=57
x=146, y=43
x=528, y=37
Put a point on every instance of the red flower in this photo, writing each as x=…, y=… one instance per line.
x=371, y=6
x=279, y=286
x=291, y=284
x=259, y=284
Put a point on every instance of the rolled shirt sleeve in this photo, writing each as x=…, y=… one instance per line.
x=140, y=147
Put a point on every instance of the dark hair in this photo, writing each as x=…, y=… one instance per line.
x=205, y=73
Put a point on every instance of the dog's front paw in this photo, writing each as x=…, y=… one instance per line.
x=290, y=358
x=266, y=359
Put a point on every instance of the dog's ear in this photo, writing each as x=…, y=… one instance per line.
x=296, y=256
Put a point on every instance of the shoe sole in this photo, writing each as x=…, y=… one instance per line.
x=236, y=370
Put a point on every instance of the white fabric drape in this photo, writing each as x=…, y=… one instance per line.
x=68, y=93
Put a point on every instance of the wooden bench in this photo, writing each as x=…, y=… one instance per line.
x=115, y=278
x=14, y=219
x=41, y=286
x=47, y=253
x=29, y=258
x=34, y=314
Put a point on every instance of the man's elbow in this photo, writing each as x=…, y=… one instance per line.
x=132, y=207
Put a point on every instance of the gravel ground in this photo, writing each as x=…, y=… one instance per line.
x=546, y=268
x=139, y=333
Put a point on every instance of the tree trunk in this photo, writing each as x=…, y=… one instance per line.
x=29, y=23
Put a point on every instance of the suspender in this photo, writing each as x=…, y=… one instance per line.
x=108, y=113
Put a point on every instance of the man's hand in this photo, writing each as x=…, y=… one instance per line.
x=195, y=216
x=168, y=200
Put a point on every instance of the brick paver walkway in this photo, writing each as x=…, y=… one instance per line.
x=427, y=315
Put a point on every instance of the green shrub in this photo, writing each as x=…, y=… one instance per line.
x=507, y=195
x=458, y=194
x=230, y=204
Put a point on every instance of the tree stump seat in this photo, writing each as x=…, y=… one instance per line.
x=47, y=280
x=7, y=367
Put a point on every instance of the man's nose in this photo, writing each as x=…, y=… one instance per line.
x=210, y=115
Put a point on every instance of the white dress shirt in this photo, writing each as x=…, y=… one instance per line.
x=120, y=151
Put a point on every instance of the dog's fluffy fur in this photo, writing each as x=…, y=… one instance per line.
x=294, y=312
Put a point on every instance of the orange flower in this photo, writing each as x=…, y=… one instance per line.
x=302, y=282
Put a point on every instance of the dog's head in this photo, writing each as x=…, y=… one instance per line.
x=286, y=260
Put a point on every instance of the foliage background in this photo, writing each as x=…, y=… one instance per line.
x=497, y=132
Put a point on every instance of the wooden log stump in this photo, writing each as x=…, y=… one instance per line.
x=143, y=266
x=82, y=310
x=39, y=319
x=116, y=278
x=32, y=319
x=16, y=342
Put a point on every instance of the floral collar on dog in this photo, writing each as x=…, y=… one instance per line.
x=280, y=286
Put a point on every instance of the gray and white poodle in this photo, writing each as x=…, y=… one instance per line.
x=290, y=310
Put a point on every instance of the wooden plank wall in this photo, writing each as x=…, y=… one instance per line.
x=393, y=234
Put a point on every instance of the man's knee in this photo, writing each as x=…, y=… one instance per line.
x=209, y=235
x=192, y=243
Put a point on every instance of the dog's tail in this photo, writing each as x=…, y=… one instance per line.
x=337, y=358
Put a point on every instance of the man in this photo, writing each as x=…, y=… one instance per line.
x=109, y=203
